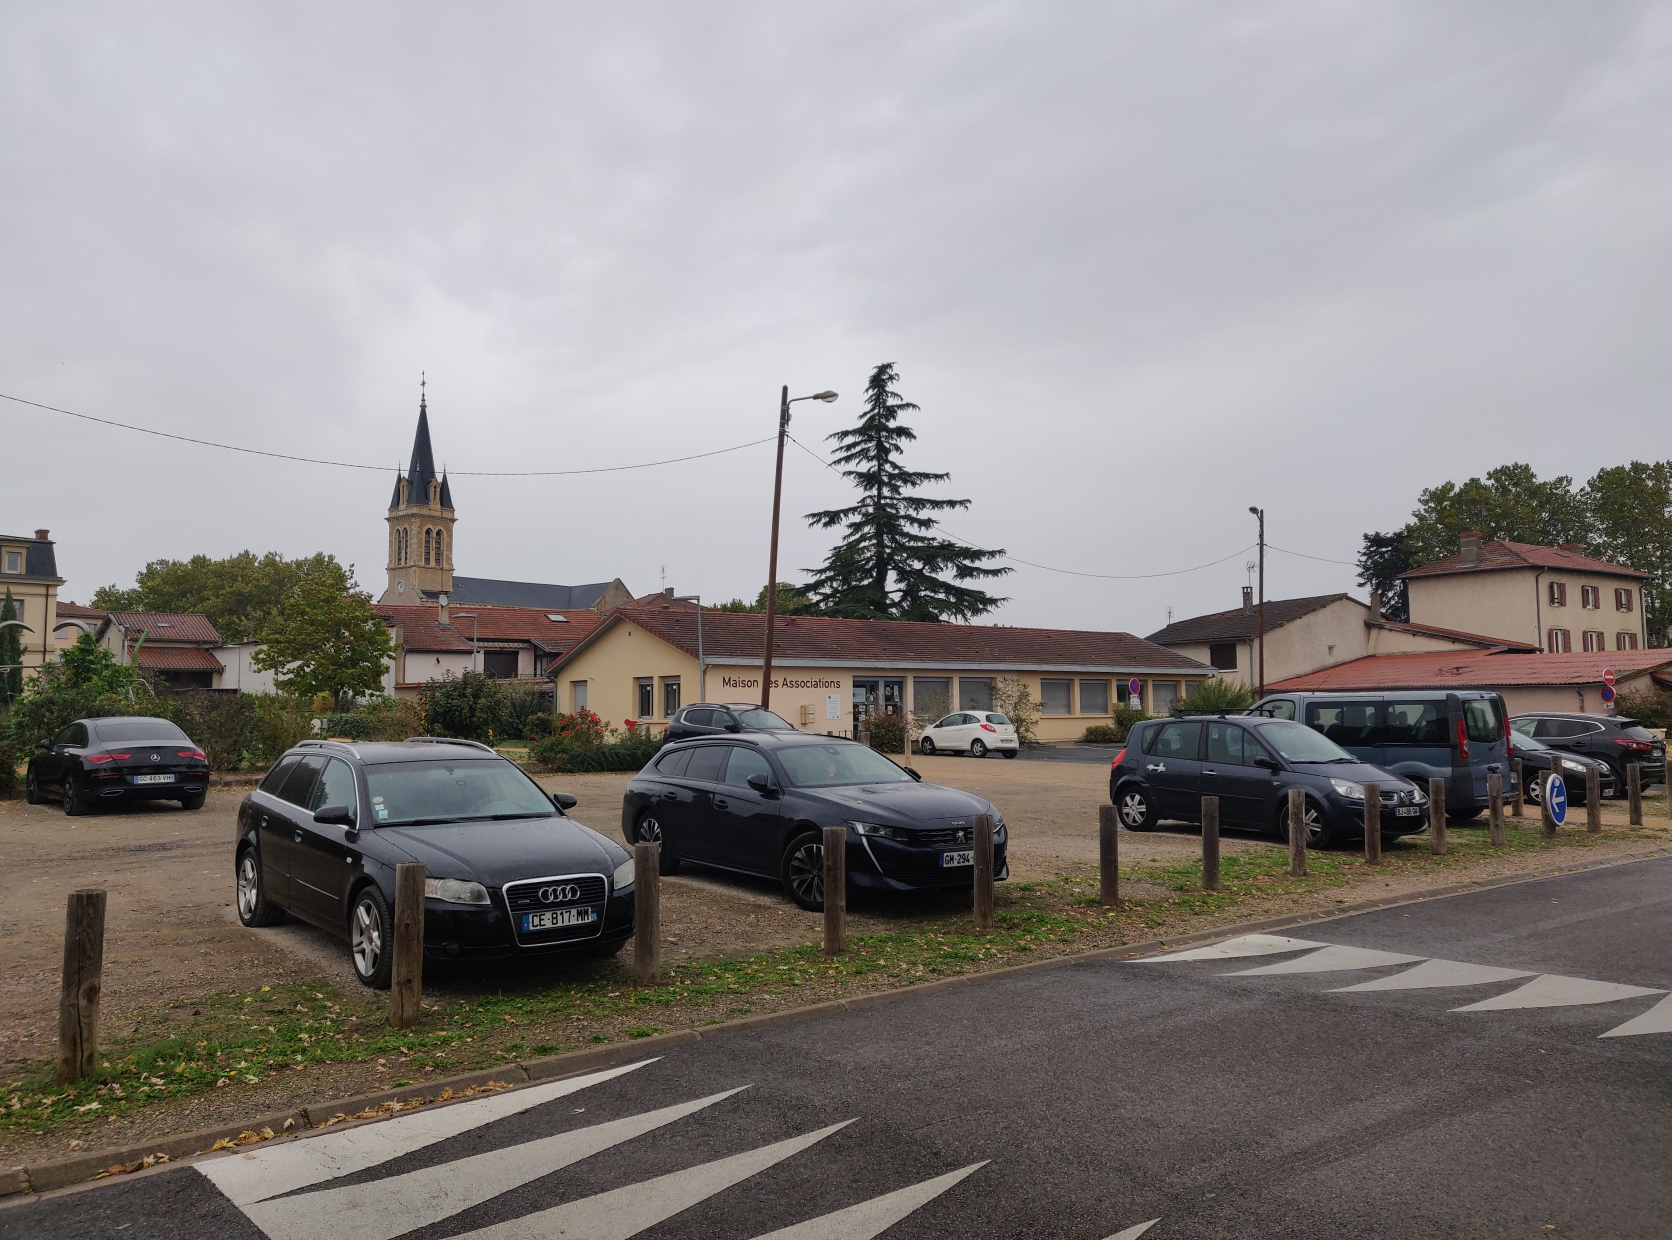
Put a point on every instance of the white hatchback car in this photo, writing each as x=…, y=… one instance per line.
x=972, y=732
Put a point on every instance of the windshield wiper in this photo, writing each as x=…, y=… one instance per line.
x=530, y=814
x=1320, y=761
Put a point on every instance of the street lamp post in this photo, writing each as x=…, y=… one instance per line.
x=1260, y=624
x=702, y=666
x=772, y=563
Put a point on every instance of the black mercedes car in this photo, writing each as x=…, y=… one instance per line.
x=113, y=761
x=757, y=803
x=715, y=718
x=509, y=873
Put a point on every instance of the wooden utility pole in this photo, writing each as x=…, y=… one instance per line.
x=835, y=890
x=1210, y=843
x=78, y=998
x=1108, y=856
x=1437, y=815
x=772, y=560
x=647, y=912
x=406, y=985
x=1634, y=793
x=983, y=872
x=1297, y=833
x=1260, y=692
x=1495, y=812
x=1373, y=824
x=1520, y=803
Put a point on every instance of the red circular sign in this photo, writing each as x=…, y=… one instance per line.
x=1608, y=676
x=1608, y=693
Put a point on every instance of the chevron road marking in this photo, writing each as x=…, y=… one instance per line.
x=383, y=1209
x=1657, y=1019
x=1132, y=1233
x=1553, y=990
x=1433, y=974
x=1245, y=945
x=871, y=1218
x=1330, y=960
x=260, y=1174
x=628, y=1210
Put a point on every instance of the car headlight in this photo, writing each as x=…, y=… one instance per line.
x=455, y=891
x=1348, y=789
x=623, y=876
x=876, y=829
x=1418, y=795
x=1573, y=766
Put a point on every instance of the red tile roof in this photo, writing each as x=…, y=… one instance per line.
x=1507, y=644
x=1443, y=669
x=824, y=640
x=1498, y=555
x=75, y=611
x=167, y=626
x=176, y=659
x=421, y=628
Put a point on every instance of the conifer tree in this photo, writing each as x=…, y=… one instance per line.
x=893, y=563
x=11, y=652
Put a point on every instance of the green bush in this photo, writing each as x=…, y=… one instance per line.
x=85, y=683
x=224, y=725
x=1215, y=696
x=1125, y=717
x=470, y=706
x=1103, y=734
x=8, y=765
x=375, y=719
x=629, y=755
x=1653, y=707
x=888, y=733
x=281, y=722
x=523, y=701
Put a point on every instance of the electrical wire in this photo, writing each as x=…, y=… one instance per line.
x=311, y=460
x=1320, y=558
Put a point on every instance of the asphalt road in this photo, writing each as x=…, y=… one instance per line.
x=1079, y=1103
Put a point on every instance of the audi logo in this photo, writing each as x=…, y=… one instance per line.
x=561, y=894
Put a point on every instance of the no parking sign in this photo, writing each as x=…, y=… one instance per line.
x=1558, y=800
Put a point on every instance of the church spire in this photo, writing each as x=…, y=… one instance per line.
x=422, y=470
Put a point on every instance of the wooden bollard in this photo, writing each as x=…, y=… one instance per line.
x=1548, y=818
x=1373, y=824
x=1634, y=793
x=1210, y=843
x=1437, y=815
x=1520, y=803
x=78, y=999
x=1297, y=833
x=1495, y=808
x=983, y=871
x=1593, y=800
x=647, y=912
x=835, y=890
x=406, y=980
x=1108, y=857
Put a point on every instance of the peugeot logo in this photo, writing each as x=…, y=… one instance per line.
x=559, y=895
x=961, y=835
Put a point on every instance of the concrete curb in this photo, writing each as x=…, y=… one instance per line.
x=77, y=1172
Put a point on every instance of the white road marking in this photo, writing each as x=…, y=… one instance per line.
x=1246, y=945
x=871, y=1218
x=263, y=1173
x=1657, y=1019
x=628, y=1210
x=1132, y=1233
x=383, y=1209
x=1554, y=990
x=1432, y=974
x=1330, y=960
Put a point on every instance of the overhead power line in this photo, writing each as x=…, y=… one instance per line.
x=1320, y=558
x=313, y=460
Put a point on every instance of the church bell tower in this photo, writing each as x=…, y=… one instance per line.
x=420, y=525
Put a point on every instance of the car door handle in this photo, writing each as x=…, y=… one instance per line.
x=296, y=835
x=1210, y=772
x=1157, y=766
x=670, y=796
x=721, y=804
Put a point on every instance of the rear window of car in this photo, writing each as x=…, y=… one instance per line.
x=764, y=721
x=1483, y=719
x=1637, y=733
x=1414, y=723
x=1001, y=720
x=698, y=718
x=131, y=730
x=673, y=764
x=1282, y=708
x=276, y=777
x=452, y=791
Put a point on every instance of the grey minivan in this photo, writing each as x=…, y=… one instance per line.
x=1461, y=737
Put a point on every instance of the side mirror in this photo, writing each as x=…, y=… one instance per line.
x=734, y=726
x=762, y=785
x=335, y=815
x=564, y=802
x=909, y=771
x=44, y=743
x=1268, y=764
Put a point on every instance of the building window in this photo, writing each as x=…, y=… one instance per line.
x=14, y=561
x=975, y=693
x=1560, y=641
x=931, y=695
x=1163, y=693
x=500, y=664
x=670, y=696
x=1056, y=697
x=426, y=547
x=1622, y=600
x=647, y=697
x=1094, y=697
x=577, y=695
x=1223, y=655
x=1558, y=594
x=1590, y=597
x=1625, y=641
x=1593, y=640
x=438, y=560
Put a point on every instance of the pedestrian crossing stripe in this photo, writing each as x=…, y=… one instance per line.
x=1437, y=974
x=1657, y=1019
x=1553, y=990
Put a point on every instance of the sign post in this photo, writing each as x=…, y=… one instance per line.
x=1135, y=694
x=1608, y=686
x=1557, y=799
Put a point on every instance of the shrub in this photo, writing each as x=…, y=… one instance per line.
x=629, y=755
x=470, y=706
x=224, y=725
x=1215, y=696
x=1012, y=699
x=1103, y=734
x=375, y=719
x=8, y=765
x=888, y=733
x=85, y=683
x=281, y=722
x=524, y=701
x=1653, y=707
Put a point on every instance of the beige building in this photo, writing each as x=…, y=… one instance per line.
x=29, y=570
x=642, y=663
x=1305, y=634
x=1557, y=599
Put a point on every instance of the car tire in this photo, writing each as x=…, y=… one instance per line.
x=371, y=939
x=193, y=800
x=1319, y=834
x=978, y=748
x=1621, y=792
x=802, y=870
x=32, y=789
x=75, y=804
x=1533, y=792
x=1135, y=807
x=1388, y=841
x=254, y=908
x=648, y=830
x=1009, y=753
x=926, y=747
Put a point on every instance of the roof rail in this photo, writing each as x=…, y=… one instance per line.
x=322, y=744
x=450, y=740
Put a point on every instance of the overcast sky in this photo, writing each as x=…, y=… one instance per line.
x=1141, y=264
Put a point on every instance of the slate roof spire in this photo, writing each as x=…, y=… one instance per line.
x=421, y=472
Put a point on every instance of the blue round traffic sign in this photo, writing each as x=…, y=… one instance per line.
x=1558, y=800
x=1135, y=687
x=1608, y=693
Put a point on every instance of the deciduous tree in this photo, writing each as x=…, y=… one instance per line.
x=325, y=637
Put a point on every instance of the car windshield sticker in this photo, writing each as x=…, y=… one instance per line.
x=379, y=807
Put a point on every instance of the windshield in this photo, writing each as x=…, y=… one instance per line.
x=1001, y=720
x=1484, y=722
x=1298, y=743
x=830, y=766
x=1520, y=740
x=128, y=730
x=461, y=791
x=758, y=720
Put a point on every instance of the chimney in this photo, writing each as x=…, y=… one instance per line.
x=1469, y=549
x=1375, y=604
x=1248, y=600
x=43, y=535
x=667, y=593
x=443, y=617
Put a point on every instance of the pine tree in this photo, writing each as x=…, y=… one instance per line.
x=893, y=564
x=11, y=652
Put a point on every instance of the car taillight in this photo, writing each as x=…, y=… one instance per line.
x=1119, y=758
x=987, y=727
x=1462, y=740
x=1507, y=735
x=193, y=753
x=1632, y=746
x=99, y=759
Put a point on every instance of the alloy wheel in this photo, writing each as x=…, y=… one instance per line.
x=366, y=938
x=1134, y=810
x=249, y=886
x=650, y=831
x=807, y=872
